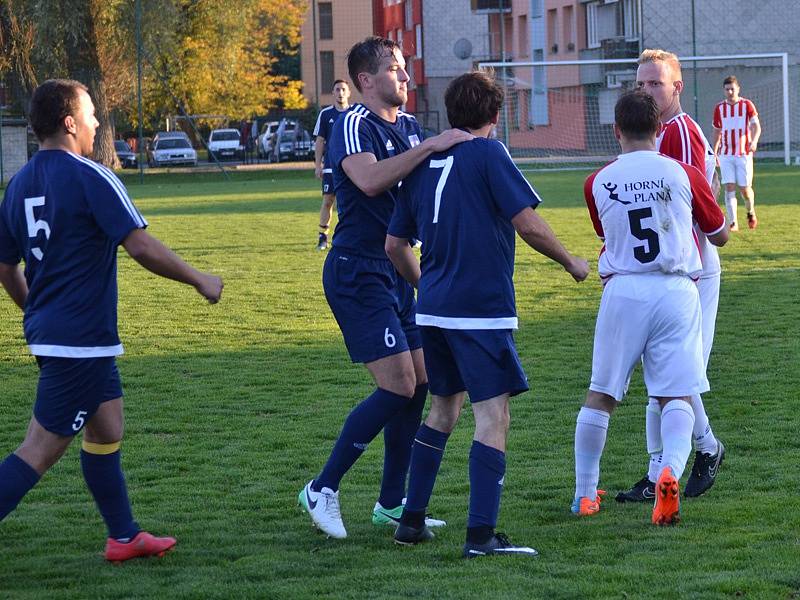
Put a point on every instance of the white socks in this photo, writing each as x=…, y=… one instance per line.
x=677, y=420
x=652, y=426
x=590, y=439
x=750, y=205
x=703, y=437
x=730, y=204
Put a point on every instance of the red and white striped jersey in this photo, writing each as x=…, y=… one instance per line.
x=643, y=205
x=682, y=139
x=734, y=122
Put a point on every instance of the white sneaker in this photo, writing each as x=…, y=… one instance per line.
x=323, y=507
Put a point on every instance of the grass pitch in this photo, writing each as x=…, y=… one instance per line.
x=232, y=408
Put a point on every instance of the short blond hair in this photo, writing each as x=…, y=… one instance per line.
x=652, y=55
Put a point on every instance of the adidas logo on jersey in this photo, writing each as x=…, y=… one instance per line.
x=389, y=145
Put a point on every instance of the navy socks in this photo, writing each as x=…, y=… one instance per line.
x=363, y=423
x=398, y=437
x=16, y=479
x=426, y=457
x=105, y=480
x=487, y=468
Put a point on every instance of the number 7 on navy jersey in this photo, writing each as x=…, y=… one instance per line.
x=445, y=164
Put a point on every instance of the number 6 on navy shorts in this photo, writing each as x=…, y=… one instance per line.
x=373, y=305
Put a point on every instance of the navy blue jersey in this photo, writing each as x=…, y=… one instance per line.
x=363, y=220
x=325, y=120
x=65, y=215
x=460, y=204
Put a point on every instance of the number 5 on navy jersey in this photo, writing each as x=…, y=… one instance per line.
x=35, y=225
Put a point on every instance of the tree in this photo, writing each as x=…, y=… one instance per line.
x=208, y=56
x=66, y=45
x=221, y=57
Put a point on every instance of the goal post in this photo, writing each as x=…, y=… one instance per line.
x=558, y=114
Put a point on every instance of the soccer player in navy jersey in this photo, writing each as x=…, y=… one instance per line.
x=370, y=150
x=65, y=216
x=322, y=132
x=471, y=195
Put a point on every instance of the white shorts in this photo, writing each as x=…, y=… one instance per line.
x=736, y=169
x=655, y=318
x=708, y=288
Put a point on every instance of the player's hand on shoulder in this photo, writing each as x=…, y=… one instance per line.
x=210, y=287
x=447, y=139
x=578, y=268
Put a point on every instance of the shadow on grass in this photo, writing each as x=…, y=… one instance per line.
x=219, y=443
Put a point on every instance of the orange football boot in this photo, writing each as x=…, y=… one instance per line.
x=667, y=508
x=143, y=544
x=585, y=506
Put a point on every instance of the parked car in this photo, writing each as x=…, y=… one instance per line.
x=264, y=141
x=170, y=134
x=171, y=148
x=225, y=144
x=126, y=156
x=291, y=142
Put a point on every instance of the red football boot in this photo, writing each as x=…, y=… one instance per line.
x=143, y=544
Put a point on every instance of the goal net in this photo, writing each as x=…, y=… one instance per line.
x=560, y=114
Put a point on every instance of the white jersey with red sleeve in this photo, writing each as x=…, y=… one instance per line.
x=682, y=138
x=643, y=206
x=733, y=120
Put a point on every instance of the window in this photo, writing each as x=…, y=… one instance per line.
x=390, y=34
x=325, y=10
x=418, y=32
x=326, y=70
x=568, y=26
x=409, y=16
x=630, y=15
x=522, y=35
x=592, y=38
x=552, y=30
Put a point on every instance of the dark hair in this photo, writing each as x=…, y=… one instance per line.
x=52, y=102
x=637, y=115
x=473, y=100
x=730, y=79
x=340, y=81
x=365, y=57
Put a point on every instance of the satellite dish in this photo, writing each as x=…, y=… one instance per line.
x=462, y=48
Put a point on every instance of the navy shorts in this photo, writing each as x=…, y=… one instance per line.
x=70, y=391
x=373, y=305
x=327, y=181
x=483, y=362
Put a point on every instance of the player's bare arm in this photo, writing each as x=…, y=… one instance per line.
x=538, y=235
x=403, y=258
x=374, y=177
x=755, y=133
x=157, y=258
x=319, y=152
x=720, y=238
x=717, y=141
x=13, y=280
